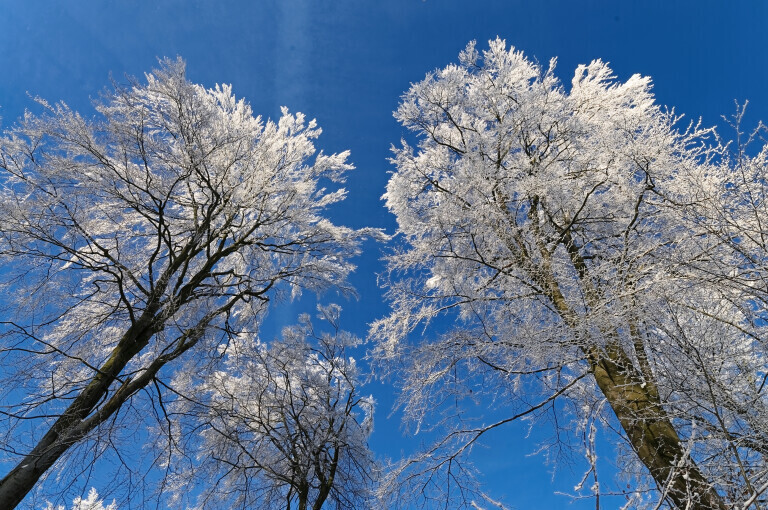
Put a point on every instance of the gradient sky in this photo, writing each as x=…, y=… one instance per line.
x=346, y=63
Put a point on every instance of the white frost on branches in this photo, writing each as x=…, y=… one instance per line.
x=92, y=502
x=134, y=243
x=283, y=422
x=586, y=248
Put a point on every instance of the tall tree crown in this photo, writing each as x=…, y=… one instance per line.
x=572, y=235
x=161, y=226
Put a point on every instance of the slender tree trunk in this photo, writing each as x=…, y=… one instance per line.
x=326, y=483
x=17, y=484
x=303, y=499
x=72, y=426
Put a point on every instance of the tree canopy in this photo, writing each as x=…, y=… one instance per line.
x=281, y=425
x=576, y=254
x=600, y=264
x=134, y=243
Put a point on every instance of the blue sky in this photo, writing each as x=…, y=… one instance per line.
x=346, y=63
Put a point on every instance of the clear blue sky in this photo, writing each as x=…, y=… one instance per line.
x=346, y=63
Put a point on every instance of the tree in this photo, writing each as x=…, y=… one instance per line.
x=597, y=262
x=92, y=502
x=141, y=239
x=282, y=426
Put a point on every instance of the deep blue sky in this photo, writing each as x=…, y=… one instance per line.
x=346, y=62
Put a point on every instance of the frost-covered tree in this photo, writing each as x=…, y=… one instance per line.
x=139, y=239
x=92, y=502
x=600, y=266
x=281, y=426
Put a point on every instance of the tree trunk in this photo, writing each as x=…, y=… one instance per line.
x=326, y=483
x=635, y=401
x=71, y=426
x=16, y=485
x=303, y=499
x=650, y=432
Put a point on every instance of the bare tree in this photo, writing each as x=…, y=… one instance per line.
x=143, y=237
x=281, y=426
x=603, y=268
